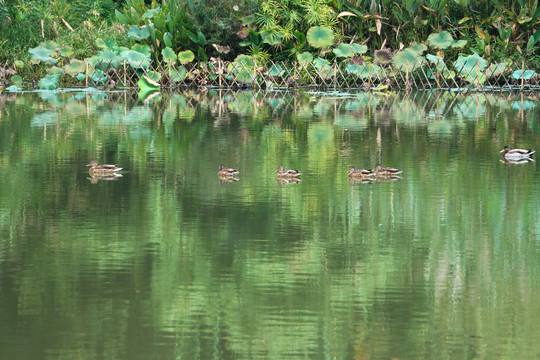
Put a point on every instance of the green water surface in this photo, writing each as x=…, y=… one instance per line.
x=169, y=262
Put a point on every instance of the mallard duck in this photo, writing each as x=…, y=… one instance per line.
x=385, y=171
x=102, y=170
x=226, y=172
x=282, y=173
x=509, y=153
x=353, y=172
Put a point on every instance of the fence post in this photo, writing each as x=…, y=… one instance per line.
x=219, y=74
x=86, y=73
x=125, y=84
x=522, y=73
x=369, y=76
x=407, y=76
x=477, y=76
x=335, y=72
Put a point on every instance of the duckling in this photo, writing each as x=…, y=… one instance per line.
x=282, y=173
x=509, y=153
x=226, y=172
x=385, y=171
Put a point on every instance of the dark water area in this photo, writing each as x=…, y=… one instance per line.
x=169, y=261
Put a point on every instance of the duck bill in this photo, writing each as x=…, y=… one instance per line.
x=501, y=151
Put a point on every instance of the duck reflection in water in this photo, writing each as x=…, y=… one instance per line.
x=282, y=181
x=509, y=162
x=95, y=179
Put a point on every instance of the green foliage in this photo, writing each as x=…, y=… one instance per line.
x=163, y=26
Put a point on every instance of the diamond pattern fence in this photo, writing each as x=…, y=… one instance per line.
x=336, y=75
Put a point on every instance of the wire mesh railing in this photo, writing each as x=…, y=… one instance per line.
x=334, y=75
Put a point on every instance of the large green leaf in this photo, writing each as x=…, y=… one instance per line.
x=418, y=47
x=108, y=58
x=498, y=69
x=525, y=75
x=186, y=56
x=43, y=54
x=320, y=37
x=408, y=59
x=135, y=59
x=271, y=37
x=442, y=40
x=137, y=33
x=359, y=48
x=305, y=57
x=167, y=39
x=275, y=70
x=66, y=51
x=151, y=13
x=178, y=75
x=108, y=43
x=143, y=49
x=344, y=50
x=98, y=76
x=169, y=56
x=439, y=68
x=49, y=82
x=471, y=68
x=17, y=79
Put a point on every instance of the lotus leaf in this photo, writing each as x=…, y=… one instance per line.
x=244, y=68
x=304, y=57
x=13, y=88
x=135, y=59
x=49, y=82
x=471, y=68
x=248, y=20
x=370, y=71
x=440, y=67
x=43, y=54
x=271, y=37
x=352, y=69
x=495, y=70
x=147, y=86
x=108, y=58
x=17, y=79
x=320, y=37
x=275, y=70
x=186, y=56
x=358, y=48
x=80, y=76
x=49, y=44
x=442, y=40
x=344, y=50
x=153, y=77
x=178, y=75
x=66, y=51
x=319, y=63
x=419, y=48
x=108, y=43
x=19, y=63
x=526, y=75
x=98, y=76
x=169, y=56
x=460, y=44
x=137, y=33
x=408, y=59
x=56, y=70
x=143, y=49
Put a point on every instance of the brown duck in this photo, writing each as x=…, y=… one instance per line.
x=226, y=172
x=102, y=170
x=282, y=173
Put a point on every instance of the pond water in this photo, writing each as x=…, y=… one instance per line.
x=169, y=262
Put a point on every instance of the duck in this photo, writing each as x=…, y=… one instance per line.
x=509, y=153
x=102, y=170
x=385, y=171
x=353, y=172
x=282, y=173
x=226, y=172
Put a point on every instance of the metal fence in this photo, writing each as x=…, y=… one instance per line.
x=329, y=75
